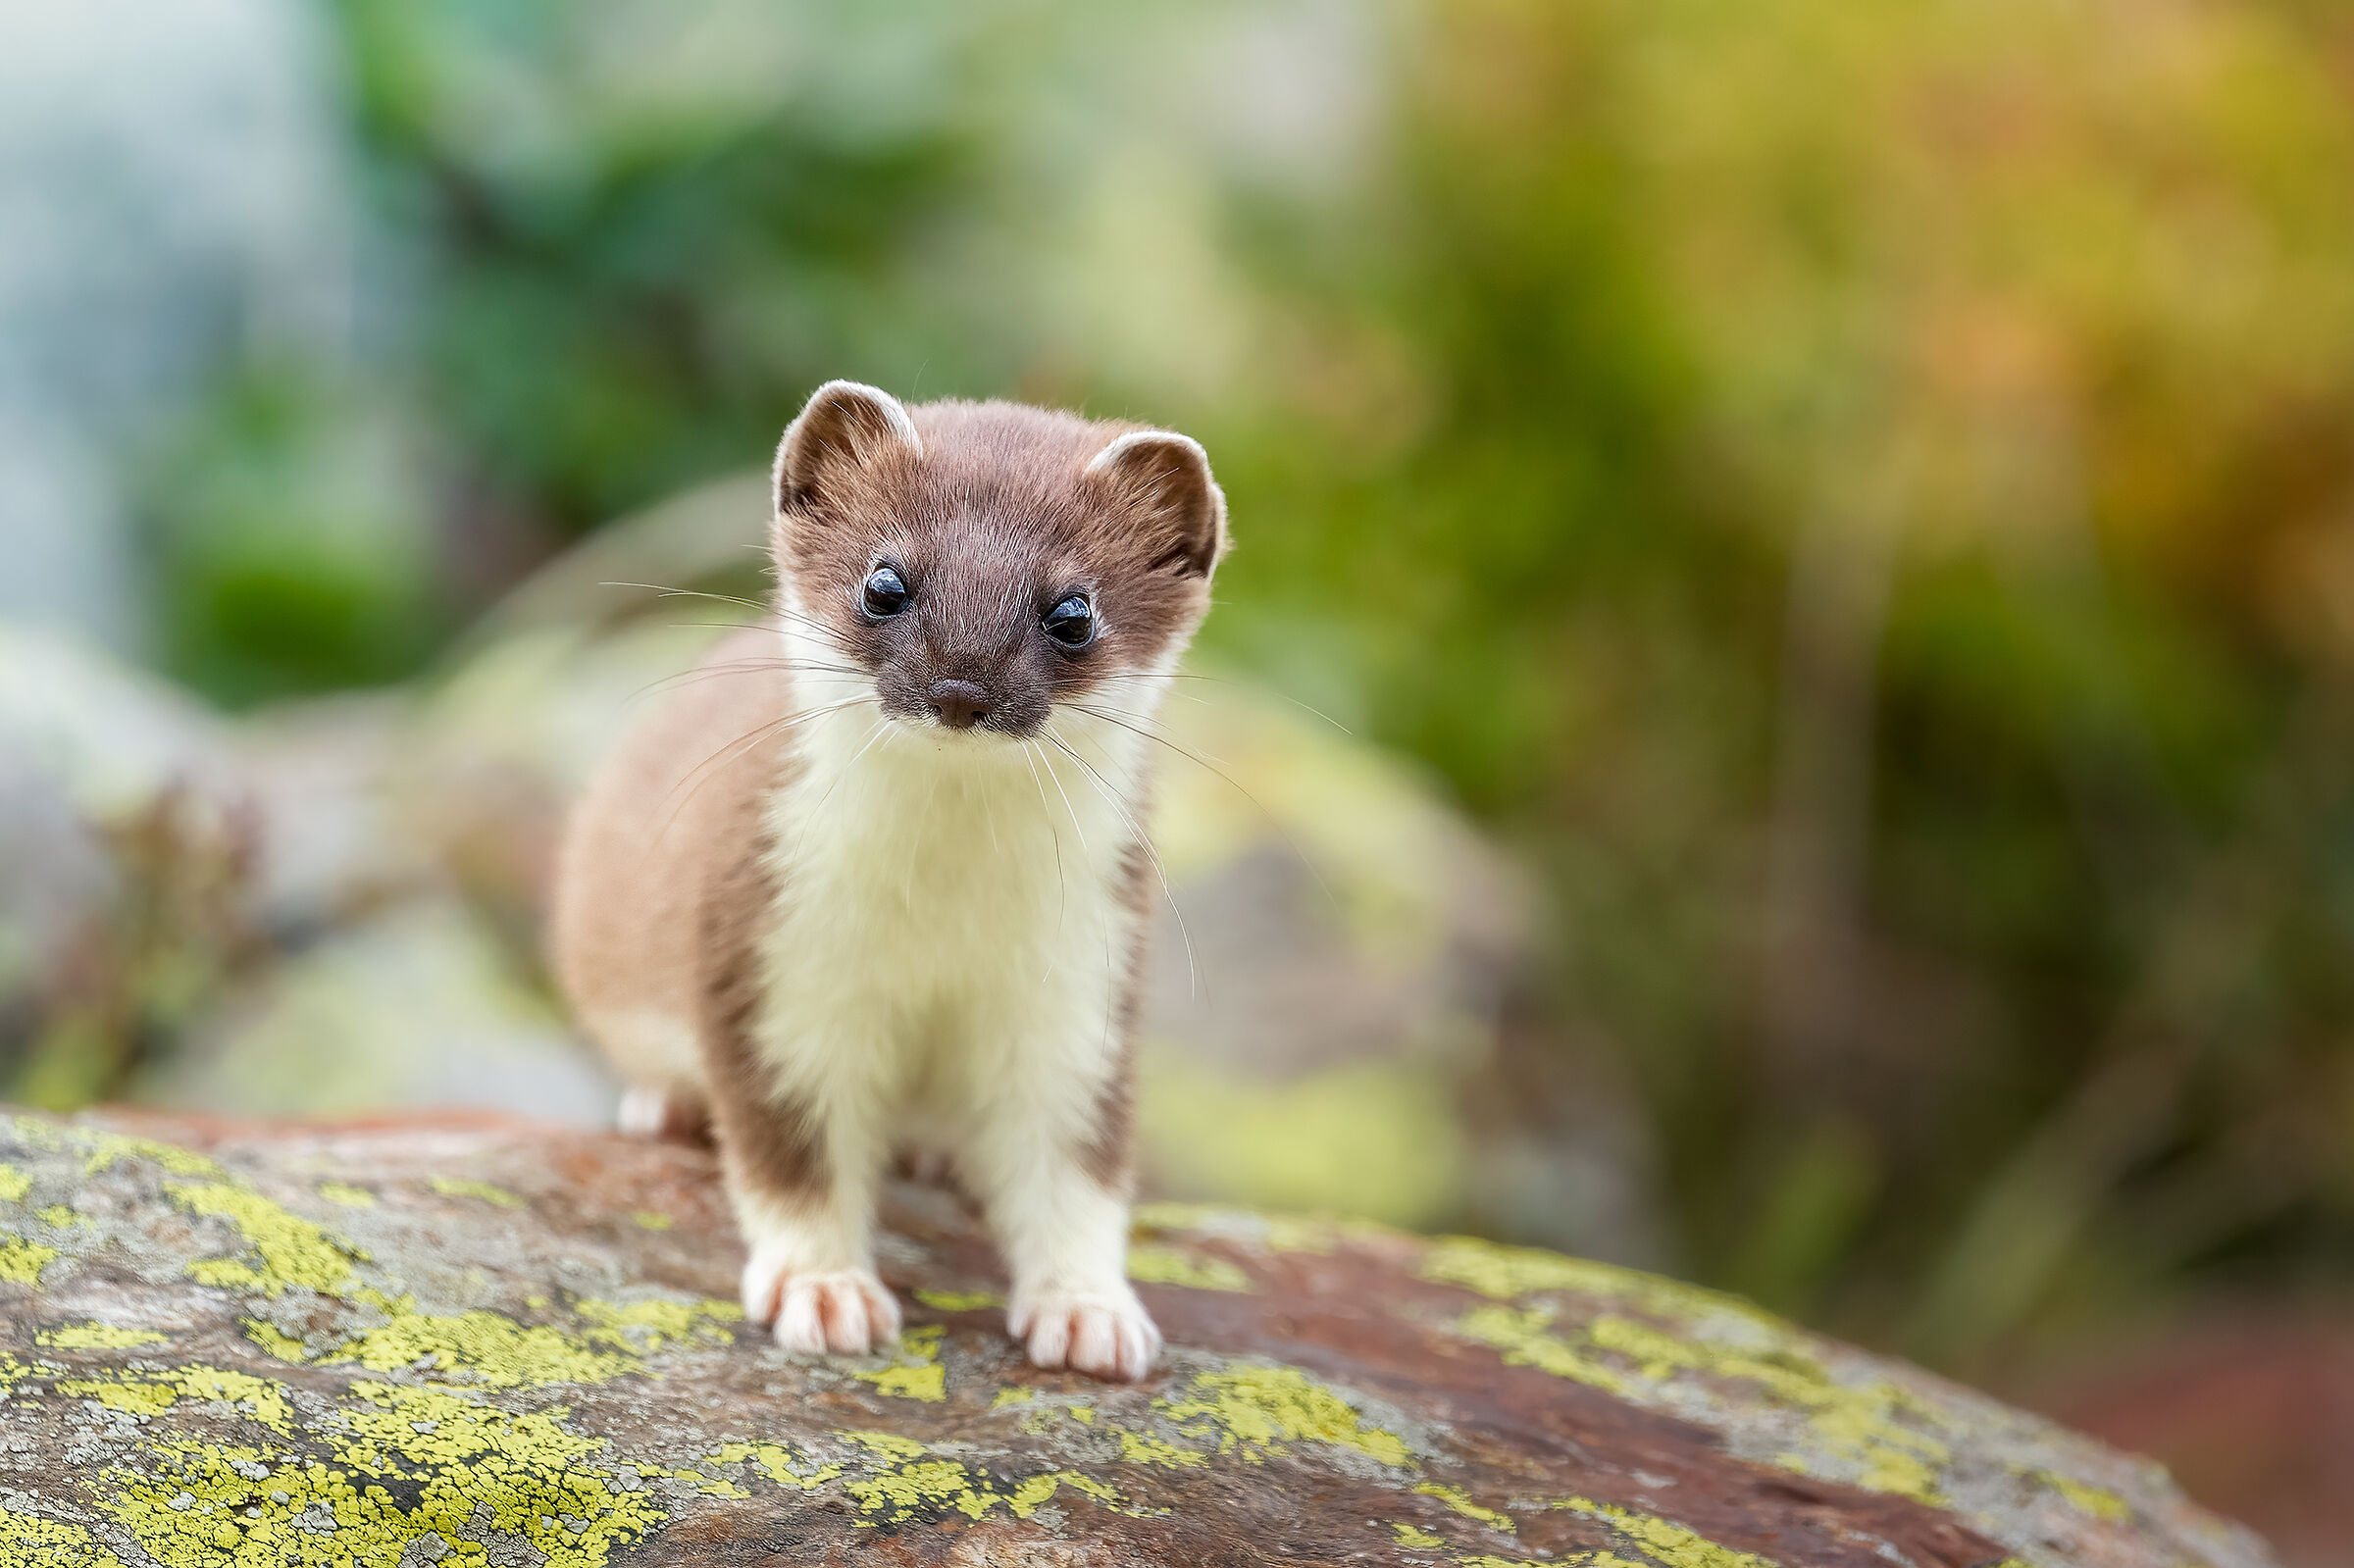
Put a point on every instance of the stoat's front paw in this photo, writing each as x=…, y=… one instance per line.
x=1105, y=1332
x=845, y=1311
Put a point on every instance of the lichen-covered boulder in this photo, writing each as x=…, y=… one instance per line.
x=409, y=1344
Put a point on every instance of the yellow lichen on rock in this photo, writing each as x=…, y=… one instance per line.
x=292, y=1252
x=1509, y=1273
x=1139, y=1449
x=13, y=1184
x=1455, y=1499
x=919, y=1374
x=472, y=1471
x=28, y=1541
x=1153, y=1264
x=486, y=1348
x=1669, y=1544
x=466, y=1187
x=2083, y=1496
x=22, y=1261
x=96, y=1337
x=1256, y=1407
x=650, y=1325
x=150, y=1393
x=1871, y=1434
x=779, y=1463
x=959, y=1300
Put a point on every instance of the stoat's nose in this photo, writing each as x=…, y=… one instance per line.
x=960, y=704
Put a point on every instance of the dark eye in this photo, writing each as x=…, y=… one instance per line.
x=1072, y=623
x=886, y=594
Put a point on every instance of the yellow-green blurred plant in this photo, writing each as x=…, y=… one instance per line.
x=1866, y=493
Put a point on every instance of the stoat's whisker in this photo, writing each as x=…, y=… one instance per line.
x=1111, y=978
x=1076, y=826
x=1063, y=887
x=1143, y=840
x=823, y=631
x=820, y=634
x=695, y=778
x=668, y=593
x=1197, y=760
x=705, y=672
x=1146, y=675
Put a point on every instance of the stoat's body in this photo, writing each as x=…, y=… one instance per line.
x=875, y=876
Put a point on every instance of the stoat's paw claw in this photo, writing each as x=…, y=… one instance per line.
x=842, y=1311
x=1105, y=1332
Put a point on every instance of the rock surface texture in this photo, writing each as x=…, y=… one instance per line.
x=481, y=1343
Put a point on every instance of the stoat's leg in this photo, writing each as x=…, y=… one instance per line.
x=1050, y=1165
x=803, y=1190
x=800, y=1158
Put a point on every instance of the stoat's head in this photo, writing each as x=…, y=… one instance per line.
x=982, y=561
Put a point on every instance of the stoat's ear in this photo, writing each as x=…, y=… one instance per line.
x=1168, y=476
x=844, y=425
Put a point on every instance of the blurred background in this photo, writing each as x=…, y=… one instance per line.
x=1783, y=710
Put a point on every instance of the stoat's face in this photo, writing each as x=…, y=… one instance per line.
x=981, y=562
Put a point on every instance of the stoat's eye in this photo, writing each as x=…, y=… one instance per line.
x=1072, y=623
x=885, y=593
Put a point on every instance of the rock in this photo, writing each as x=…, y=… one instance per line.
x=486, y=1342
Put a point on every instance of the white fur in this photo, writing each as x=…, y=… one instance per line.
x=1135, y=438
x=948, y=958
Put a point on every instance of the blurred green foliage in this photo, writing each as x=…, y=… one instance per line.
x=1863, y=496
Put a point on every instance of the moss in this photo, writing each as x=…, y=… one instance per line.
x=1169, y=1265
x=1253, y=1409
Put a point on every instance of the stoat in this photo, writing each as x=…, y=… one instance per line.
x=875, y=876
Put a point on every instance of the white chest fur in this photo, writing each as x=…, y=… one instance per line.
x=954, y=923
